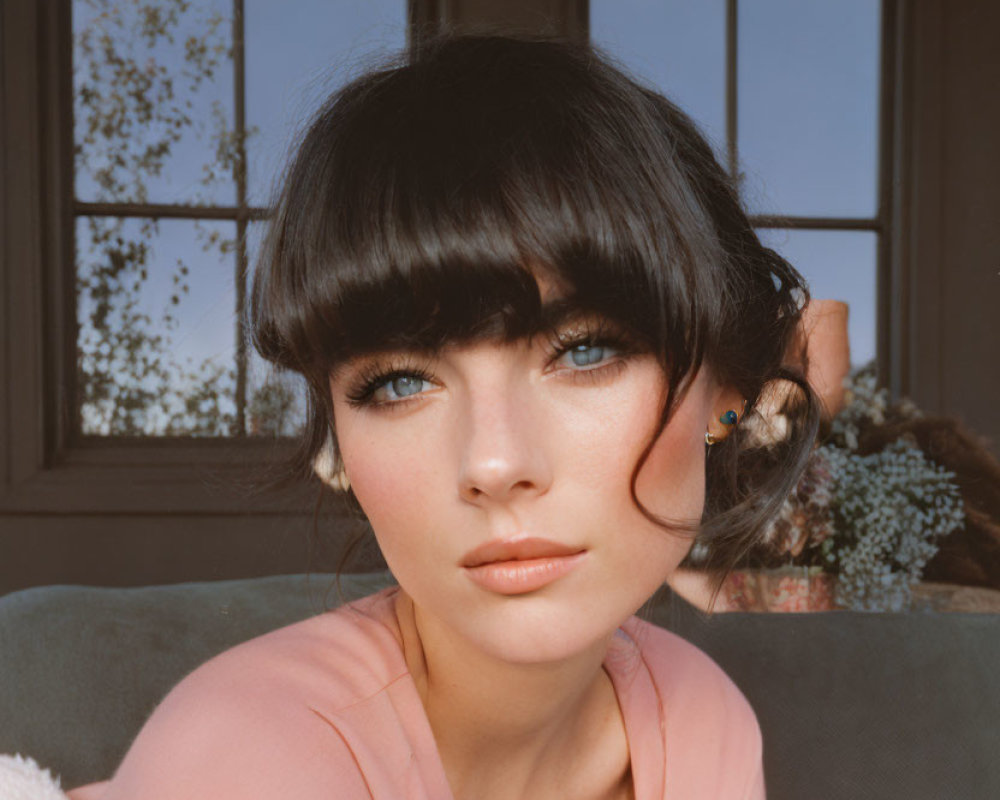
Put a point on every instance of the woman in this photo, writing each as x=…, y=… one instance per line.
x=533, y=319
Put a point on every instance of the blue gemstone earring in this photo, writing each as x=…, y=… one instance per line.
x=728, y=419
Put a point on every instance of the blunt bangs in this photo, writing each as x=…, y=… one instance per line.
x=427, y=199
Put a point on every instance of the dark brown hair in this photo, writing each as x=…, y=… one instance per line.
x=428, y=193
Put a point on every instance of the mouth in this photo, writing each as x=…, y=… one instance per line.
x=517, y=550
x=520, y=566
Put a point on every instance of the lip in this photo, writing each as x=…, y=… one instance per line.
x=521, y=549
x=518, y=566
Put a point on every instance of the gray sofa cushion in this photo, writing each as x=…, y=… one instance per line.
x=851, y=705
x=856, y=705
x=83, y=667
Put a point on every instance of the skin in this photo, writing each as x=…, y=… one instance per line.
x=516, y=439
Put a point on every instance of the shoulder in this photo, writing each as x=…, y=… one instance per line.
x=325, y=663
x=260, y=720
x=710, y=726
x=346, y=654
x=689, y=678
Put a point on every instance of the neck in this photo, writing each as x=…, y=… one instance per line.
x=526, y=724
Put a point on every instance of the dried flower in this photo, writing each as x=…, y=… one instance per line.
x=874, y=520
x=866, y=406
x=890, y=510
x=805, y=518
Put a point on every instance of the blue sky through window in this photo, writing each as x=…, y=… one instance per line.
x=808, y=80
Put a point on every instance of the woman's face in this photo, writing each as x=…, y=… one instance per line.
x=496, y=479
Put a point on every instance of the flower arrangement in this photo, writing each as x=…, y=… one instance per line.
x=873, y=519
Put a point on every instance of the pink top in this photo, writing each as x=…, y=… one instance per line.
x=327, y=708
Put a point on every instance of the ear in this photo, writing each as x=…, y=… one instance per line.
x=726, y=412
x=326, y=467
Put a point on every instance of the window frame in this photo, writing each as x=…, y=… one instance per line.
x=46, y=468
x=49, y=467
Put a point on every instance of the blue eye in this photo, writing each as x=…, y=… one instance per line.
x=587, y=355
x=399, y=387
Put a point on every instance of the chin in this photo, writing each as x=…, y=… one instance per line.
x=539, y=629
x=542, y=646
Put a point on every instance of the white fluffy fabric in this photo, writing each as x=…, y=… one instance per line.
x=22, y=779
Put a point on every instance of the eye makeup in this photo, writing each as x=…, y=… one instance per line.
x=378, y=371
x=369, y=384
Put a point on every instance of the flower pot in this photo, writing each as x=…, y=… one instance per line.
x=823, y=330
x=784, y=589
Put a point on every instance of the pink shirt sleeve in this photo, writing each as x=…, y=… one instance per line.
x=713, y=749
x=716, y=735
x=236, y=729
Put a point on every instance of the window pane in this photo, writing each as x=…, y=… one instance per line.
x=276, y=400
x=153, y=101
x=157, y=327
x=808, y=106
x=838, y=265
x=297, y=52
x=676, y=45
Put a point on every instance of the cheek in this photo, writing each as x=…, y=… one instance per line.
x=672, y=481
x=391, y=478
x=380, y=478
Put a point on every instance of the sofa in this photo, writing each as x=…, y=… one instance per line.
x=851, y=705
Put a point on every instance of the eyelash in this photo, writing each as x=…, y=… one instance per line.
x=375, y=375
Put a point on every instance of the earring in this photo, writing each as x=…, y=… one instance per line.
x=729, y=418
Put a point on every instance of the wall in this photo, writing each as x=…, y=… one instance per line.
x=954, y=217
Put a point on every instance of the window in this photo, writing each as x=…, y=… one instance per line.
x=789, y=94
x=54, y=464
x=50, y=469
x=182, y=114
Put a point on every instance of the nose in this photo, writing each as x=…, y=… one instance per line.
x=501, y=439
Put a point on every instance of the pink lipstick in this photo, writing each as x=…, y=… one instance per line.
x=520, y=566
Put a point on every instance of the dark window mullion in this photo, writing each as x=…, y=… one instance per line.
x=817, y=223
x=893, y=370
x=732, y=96
x=240, y=175
x=167, y=211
